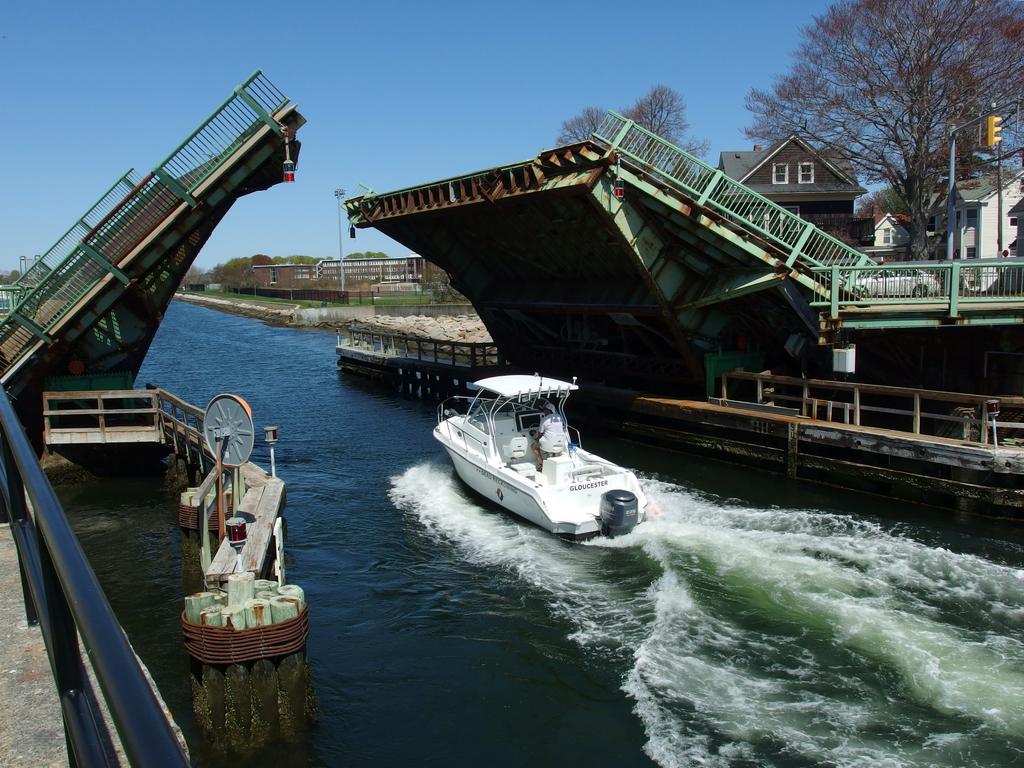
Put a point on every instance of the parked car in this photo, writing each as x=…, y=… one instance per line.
x=897, y=283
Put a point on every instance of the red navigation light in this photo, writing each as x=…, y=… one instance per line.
x=236, y=531
x=289, y=171
x=620, y=190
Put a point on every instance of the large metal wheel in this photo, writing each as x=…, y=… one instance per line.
x=229, y=420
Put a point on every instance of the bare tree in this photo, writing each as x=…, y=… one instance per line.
x=884, y=200
x=879, y=82
x=580, y=127
x=661, y=110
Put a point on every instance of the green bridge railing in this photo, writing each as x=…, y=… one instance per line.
x=129, y=212
x=804, y=243
x=916, y=286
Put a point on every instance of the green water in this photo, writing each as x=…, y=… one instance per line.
x=753, y=622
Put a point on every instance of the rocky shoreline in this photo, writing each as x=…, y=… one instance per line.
x=467, y=328
x=463, y=327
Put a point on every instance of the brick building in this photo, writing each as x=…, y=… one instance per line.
x=359, y=273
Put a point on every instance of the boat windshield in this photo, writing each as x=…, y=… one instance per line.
x=477, y=413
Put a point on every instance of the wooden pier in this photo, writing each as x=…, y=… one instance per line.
x=415, y=366
x=924, y=446
x=245, y=633
x=155, y=416
x=933, y=447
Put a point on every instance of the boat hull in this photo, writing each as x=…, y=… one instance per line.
x=508, y=492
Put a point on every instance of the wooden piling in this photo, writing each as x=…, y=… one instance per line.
x=237, y=706
x=291, y=675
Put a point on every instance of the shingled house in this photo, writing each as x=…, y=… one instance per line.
x=805, y=181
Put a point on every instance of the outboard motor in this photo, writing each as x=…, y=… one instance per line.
x=619, y=513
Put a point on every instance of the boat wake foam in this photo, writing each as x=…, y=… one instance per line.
x=749, y=633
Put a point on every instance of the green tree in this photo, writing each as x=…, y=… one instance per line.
x=235, y=272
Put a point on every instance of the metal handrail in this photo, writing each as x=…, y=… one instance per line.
x=127, y=213
x=949, y=284
x=58, y=253
x=64, y=598
x=709, y=186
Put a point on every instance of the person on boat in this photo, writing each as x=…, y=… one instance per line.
x=551, y=436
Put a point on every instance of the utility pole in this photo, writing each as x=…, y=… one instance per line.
x=951, y=196
x=339, y=194
x=999, y=197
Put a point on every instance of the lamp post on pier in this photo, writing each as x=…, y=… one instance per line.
x=339, y=194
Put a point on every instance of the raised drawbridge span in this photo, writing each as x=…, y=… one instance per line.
x=571, y=277
x=91, y=303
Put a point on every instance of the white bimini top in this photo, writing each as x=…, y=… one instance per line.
x=524, y=385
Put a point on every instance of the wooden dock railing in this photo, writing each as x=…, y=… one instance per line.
x=125, y=416
x=101, y=417
x=441, y=351
x=961, y=415
x=181, y=425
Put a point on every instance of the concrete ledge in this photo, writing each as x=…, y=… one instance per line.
x=31, y=729
x=31, y=724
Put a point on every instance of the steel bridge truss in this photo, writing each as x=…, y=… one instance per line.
x=685, y=261
x=93, y=301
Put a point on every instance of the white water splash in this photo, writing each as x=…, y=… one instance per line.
x=775, y=632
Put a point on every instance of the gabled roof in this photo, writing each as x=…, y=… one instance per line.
x=743, y=164
x=738, y=164
x=897, y=221
x=978, y=190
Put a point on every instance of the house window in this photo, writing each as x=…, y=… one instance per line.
x=887, y=238
x=972, y=217
x=273, y=275
x=1013, y=221
x=971, y=252
x=806, y=173
x=780, y=173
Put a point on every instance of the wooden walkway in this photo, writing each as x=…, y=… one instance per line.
x=827, y=440
x=417, y=366
x=261, y=506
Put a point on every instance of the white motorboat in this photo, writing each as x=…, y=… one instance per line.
x=574, y=494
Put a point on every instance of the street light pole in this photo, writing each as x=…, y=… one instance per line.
x=338, y=195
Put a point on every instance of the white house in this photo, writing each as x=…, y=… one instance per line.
x=976, y=229
x=891, y=238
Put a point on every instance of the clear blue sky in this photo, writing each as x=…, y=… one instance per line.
x=394, y=94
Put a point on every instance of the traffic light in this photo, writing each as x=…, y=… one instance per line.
x=992, y=130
